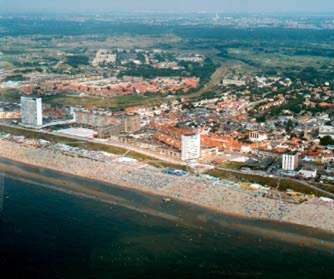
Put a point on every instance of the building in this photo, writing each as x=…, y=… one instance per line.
x=190, y=147
x=79, y=132
x=308, y=174
x=9, y=111
x=108, y=123
x=106, y=132
x=257, y=136
x=31, y=112
x=130, y=123
x=126, y=124
x=10, y=114
x=104, y=57
x=326, y=130
x=235, y=82
x=94, y=118
x=290, y=162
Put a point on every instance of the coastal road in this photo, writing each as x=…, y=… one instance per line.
x=304, y=183
x=128, y=147
x=153, y=155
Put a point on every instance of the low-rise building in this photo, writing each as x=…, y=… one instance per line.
x=326, y=130
x=256, y=136
x=308, y=174
x=104, y=57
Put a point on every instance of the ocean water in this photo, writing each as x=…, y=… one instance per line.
x=45, y=233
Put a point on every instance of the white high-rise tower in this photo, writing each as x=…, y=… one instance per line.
x=31, y=112
x=191, y=147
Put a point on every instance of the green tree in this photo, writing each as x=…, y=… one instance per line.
x=327, y=140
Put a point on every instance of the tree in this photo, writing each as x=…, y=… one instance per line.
x=289, y=126
x=327, y=140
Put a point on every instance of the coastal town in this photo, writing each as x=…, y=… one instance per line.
x=166, y=139
x=269, y=133
x=206, y=127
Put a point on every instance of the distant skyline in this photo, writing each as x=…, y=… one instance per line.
x=228, y=6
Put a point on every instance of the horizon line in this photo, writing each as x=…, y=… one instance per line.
x=169, y=12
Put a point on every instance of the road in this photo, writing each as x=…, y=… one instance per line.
x=145, y=152
x=128, y=147
x=304, y=183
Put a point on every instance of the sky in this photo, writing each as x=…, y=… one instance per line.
x=235, y=6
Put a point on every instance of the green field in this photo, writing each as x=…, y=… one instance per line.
x=114, y=103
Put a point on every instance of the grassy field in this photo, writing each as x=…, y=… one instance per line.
x=232, y=165
x=212, y=85
x=9, y=95
x=120, y=102
x=280, y=60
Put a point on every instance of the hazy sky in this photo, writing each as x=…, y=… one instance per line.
x=168, y=5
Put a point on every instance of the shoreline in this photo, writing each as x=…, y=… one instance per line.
x=201, y=218
x=26, y=156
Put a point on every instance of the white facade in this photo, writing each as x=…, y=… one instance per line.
x=326, y=130
x=257, y=136
x=235, y=82
x=308, y=173
x=104, y=57
x=290, y=162
x=245, y=149
x=31, y=111
x=191, y=147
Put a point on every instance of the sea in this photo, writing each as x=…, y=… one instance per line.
x=48, y=232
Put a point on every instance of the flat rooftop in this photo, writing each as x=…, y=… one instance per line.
x=79, y=132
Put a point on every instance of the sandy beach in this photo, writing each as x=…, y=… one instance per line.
x=220, y=196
